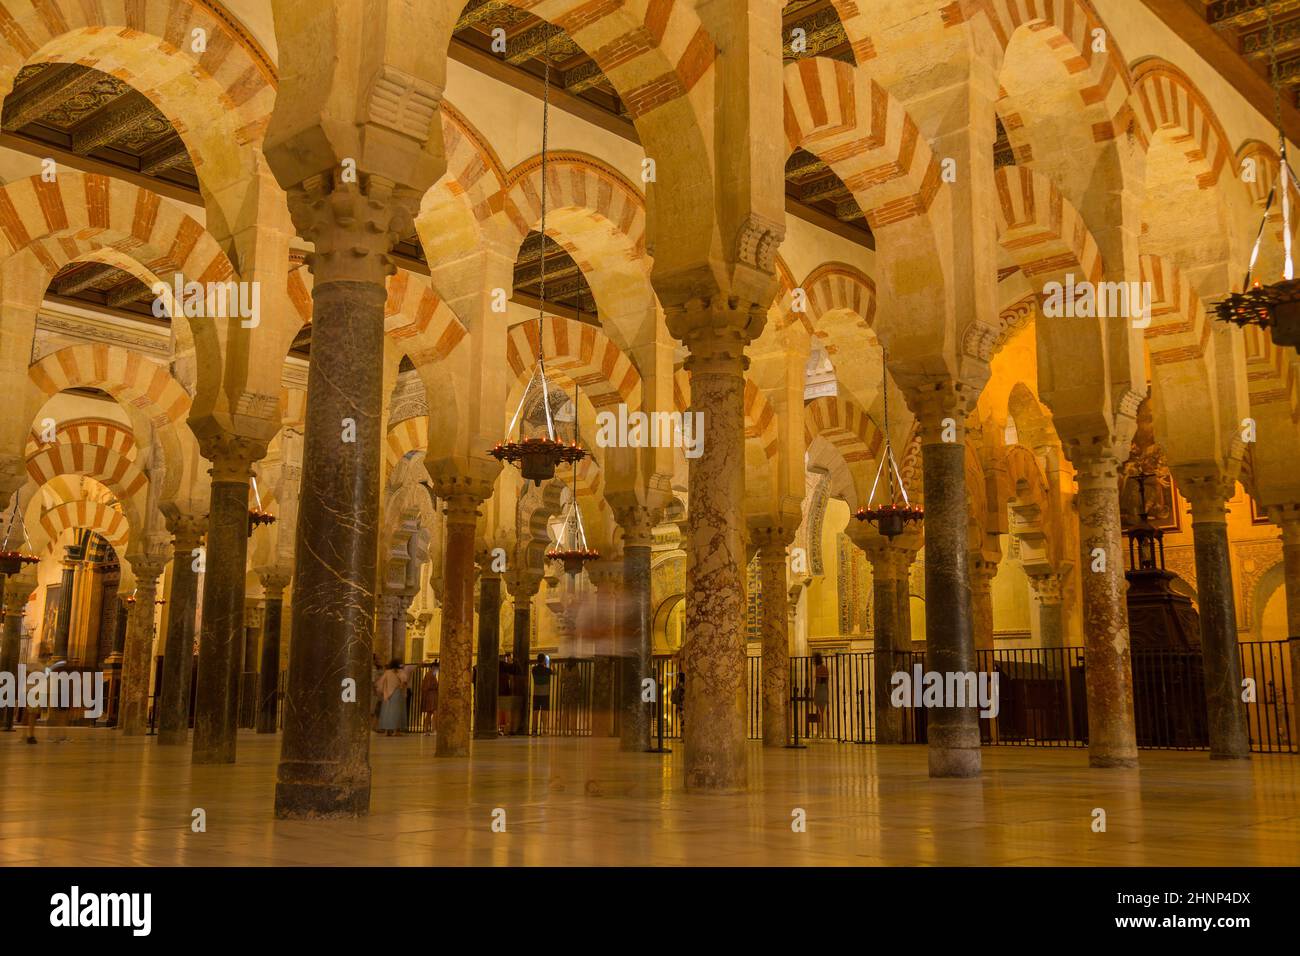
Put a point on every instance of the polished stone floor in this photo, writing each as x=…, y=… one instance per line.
x=101, y=799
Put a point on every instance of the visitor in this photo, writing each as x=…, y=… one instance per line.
x=507, y=674
x=429, y=699
x=679, y=696
x=391, y=691
x=821, y=691
x=541, y=691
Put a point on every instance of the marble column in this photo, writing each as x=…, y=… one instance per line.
x=903, y=633
x=1287, y=517
x=714, y=655
x=599, y=623
x=489, y=652
x=455, y=645
x=522, y=587
x=1208, y=496
x=1051, y=620
x=385, y=613
x=398, y=635
x=178, y=645
x=63, y=622
x=136, y=659
x=1112, y=737
x=773, y=595
x=325, y=755
x=15, y=591
x=248, y=676
x=221, y=638
x=886, y=569
x=982, y=573
x=953, y=732
x=634, y=635
x=268, y=675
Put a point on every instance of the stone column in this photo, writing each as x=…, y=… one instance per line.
x=1208, y=495
x=716, y=332
x=1287, y=517
x=221, y=638
x=1112, y=736
x=634, y=633
x=268, y=675
x=385, y=615
x=454, y=654
x=1051, y=620
x=489, y=651
x=16, y=590
x=982, y=573
x=134, y=708
x=953, y=732
x=600, y=622
x=522, y=587
x=773, y=595
x=325, y=753
x=63, y=622
x=398, y=634
x=178, y=647
x=886, y=570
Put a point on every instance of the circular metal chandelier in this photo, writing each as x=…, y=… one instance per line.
x=537, y=458
x=1274, y=307
x=892, y=515
x=13, y=560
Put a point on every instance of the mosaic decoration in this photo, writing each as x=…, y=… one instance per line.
x=853, y=588
x=754, y=602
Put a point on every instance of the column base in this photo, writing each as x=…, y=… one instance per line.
x=320, y=799
x=173, y=739
x=955, y=762
x=1108, y=762
x=1229, y=756
x=214, y=755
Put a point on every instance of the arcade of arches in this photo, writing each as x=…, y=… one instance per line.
x=749, y=208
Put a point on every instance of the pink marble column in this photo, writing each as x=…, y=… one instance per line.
x=716, y=332
x=456, y=649
x=1112, y=736
x=774, y=595
x=137, y=659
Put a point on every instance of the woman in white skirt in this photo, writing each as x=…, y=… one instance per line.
x=391, y=691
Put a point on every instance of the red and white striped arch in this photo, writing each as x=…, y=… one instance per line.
x=583, y=353
x=133, y=379
x=106, y=520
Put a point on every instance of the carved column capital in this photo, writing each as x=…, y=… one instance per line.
x=982, y=572
x=274, y=582
x=637, y=522
x=941, y=407
x=1207, y=491
x=187, y=531
x=352, y=225
x=1048, y=587
x=716, y=328
x=522, y=585
x=1287, y=517
x=232, y=456
x=771, y=542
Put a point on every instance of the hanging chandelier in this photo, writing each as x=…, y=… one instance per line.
x=12, y=561
x=1274, y=307
x=573, y=550
x=537, y=458
x=257, y=515
x=894, y=512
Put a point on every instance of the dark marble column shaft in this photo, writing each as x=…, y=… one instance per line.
x=221, y=638
x=982, y=573
x=635, y=640
x=1288, y=518
x=522, y=648
x=268, y=675
x=63, y=622
x=11, y=642
x=489, y=656
x=454, y=654
x=325, y=754
x=178, y=644
x=1229, y=738
x=1112, y=735
x=884, y=598
x=953, y=732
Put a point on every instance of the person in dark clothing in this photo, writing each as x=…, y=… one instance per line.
x=541, y=691
x=507, y=677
